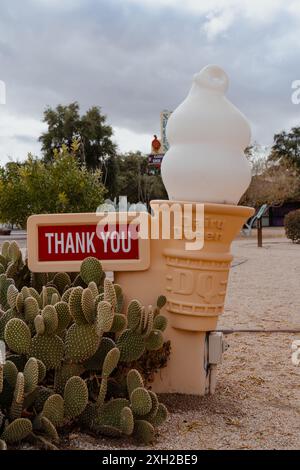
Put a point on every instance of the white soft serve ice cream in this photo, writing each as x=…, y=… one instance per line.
x=207, y=137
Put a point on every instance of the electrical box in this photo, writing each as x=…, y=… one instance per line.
x=216, y=346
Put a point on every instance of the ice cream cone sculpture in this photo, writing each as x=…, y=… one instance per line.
x=204, y=167
x=184, y=253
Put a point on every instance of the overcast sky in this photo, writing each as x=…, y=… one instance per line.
x=136, y=57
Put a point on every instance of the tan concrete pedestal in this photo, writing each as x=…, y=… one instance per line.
x=195, y=284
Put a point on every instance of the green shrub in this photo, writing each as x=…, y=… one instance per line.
x=36, y=187
x=292, y=225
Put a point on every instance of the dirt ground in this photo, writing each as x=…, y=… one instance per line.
x=257, y=400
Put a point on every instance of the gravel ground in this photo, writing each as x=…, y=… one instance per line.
x=257, y=400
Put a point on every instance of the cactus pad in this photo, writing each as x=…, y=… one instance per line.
x=49, y=429
x=50, y=317
x=161, y=301
x=143, y=431
x=49, y=349
x=10, y=373
x=17, y=336
x=17, y=430
x=91, y=270
x=75, y=397
x=141, y=402
x=82, y=342
x=119, y=323
x=134, y=380
x=126, y=421
x=105, y=316
x=160, y=323
x=111, y=361
x=31, y=375
x=110, y=293
x=160, y=416
x=134, y=312
x=63, y=315
x=155, y=340
x=54, y=409
x=75, y=305
x=88, y=305
x=131, y=346
x=64, y=373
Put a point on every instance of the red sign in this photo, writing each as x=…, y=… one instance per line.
x=155, y=159
x=76, y=242
x=59, y=242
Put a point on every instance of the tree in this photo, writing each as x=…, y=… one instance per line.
x=257, y=155
x=271, y=183
x=275, y=173
x=134, y=180
x=37, y=187
x=96, y=148
x=286, y=148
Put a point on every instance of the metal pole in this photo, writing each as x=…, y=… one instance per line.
x=230, y=332
x=259, y=232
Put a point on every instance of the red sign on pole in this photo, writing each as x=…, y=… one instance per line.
x=60, y=242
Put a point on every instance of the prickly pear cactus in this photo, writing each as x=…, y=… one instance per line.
x=70, y=349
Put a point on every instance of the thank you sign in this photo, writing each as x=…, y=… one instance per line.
x=61, y=241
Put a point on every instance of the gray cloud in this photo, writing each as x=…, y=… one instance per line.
x=134, y=60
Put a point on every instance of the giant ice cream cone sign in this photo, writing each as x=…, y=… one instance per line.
x=205, y=165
